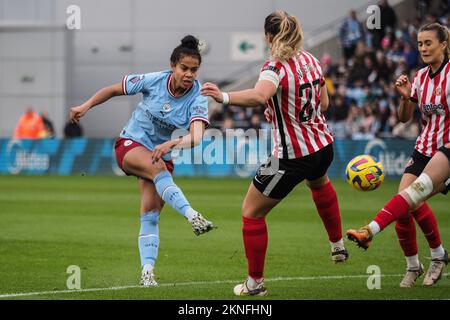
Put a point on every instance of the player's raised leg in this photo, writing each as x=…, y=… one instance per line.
x=138, y=162
x=434, y=179
x=254, y=232
x=327, y=205
x=148, y=241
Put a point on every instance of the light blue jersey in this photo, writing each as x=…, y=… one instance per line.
x=160, y=113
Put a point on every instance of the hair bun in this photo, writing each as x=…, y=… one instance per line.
x=190, y=42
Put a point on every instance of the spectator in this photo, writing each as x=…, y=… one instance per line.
x=350, y=33
x=354, y=120
x=396, y=53
x=72, y=130
x=368, y=127
x=48, y=124
x=383, y=71
x=227, y=123
x=338, y=113
x=365, y=78
x=431, y=18
x=388, y=19
x=357, y=93
x=388, y=15
x=383, y=128
x=255, y=122
x=411, y=56
x=29, y=126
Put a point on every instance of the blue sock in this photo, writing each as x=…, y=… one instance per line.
x=171, y=194
x=149, y=238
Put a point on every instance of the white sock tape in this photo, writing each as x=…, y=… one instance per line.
x=420, y=189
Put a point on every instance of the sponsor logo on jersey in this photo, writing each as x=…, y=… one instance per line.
x=160, y=122
x=166, y=107
x=127, y=143
x=272, y=68
x=431, y=108
x=136, y=79
x=200, y=109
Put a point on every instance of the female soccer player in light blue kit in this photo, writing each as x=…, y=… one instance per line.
x=171, y=101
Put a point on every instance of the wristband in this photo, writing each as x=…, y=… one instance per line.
x=226, y=98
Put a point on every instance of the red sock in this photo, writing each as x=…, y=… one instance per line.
x=427, y=222
x=254, y=232
x=328, y=208
x=406, y=233
x=396, y=208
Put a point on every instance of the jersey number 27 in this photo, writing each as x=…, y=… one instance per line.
x=306, y=111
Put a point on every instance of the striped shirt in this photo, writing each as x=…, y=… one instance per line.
x=299, y=128
x=432, y=92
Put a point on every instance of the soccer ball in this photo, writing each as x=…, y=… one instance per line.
x=364, y=173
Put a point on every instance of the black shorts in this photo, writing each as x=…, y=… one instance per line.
x=417, y=164
x=445, y=151
x=277, y=177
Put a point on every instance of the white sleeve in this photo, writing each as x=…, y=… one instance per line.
x=270, y=76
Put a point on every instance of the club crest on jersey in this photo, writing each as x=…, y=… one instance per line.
x=165, y=108
x=438, y=91
x=127, y=143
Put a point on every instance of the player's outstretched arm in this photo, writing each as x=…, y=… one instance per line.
x=249, y=98
x=76, y=113
x=192, y=139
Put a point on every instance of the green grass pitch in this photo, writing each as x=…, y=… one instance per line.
x=48, y=223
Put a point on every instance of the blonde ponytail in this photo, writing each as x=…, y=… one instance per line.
x=447, y=31
x=287, y=35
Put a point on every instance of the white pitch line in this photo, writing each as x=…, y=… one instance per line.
x=192, y=283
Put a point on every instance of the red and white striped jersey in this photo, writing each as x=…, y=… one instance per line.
x=432, y=92
x=299, y=128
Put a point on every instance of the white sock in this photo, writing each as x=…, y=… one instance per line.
x=437, y=253
x=413, y=262
x=147, y=268
x=253, y=283
x=374, y=227
x=339, y=244
x=190, y=214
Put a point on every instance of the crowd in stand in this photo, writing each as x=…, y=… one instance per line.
x=363, y=99
x=32, y=125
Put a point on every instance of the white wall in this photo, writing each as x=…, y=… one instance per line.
x=32, y=73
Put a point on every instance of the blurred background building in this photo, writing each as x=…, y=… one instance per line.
x=49, y=67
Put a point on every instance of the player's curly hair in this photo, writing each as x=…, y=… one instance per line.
x=188, y=47
x=286, y=32
x=442, y=33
